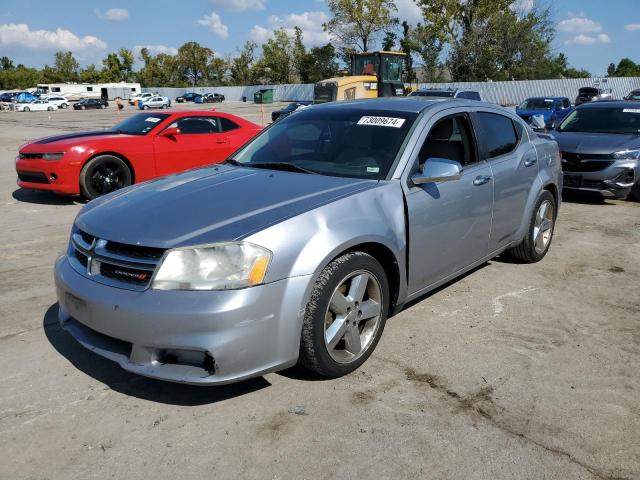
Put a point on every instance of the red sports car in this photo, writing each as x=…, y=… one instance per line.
x=142, y=147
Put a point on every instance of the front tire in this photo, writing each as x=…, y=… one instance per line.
x=104, y=174
x=536, y=243
x=635, y=192
x=345, y=316
x=145, y=107
x=26, y=109
x=64, y=105
x=50, y=109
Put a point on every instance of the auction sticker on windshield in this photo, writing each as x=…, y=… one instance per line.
x=382, y=121
x=631, y=110
x=152, y=119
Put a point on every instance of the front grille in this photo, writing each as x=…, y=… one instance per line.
x=33, y=177
x=113, y=263
x=574, y=162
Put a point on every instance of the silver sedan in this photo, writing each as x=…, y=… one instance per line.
x=301, y=245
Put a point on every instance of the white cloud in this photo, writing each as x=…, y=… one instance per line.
x=588, y=39
x=19, y=34
x=309, y=22
x=113, y=14
x=410, y=11
x=579, y=25
x=214, y=22
x=155, y=49
x=259, y=34
x=239, y=5
x=632, y=27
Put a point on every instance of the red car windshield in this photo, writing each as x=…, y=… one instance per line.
x=139, y=124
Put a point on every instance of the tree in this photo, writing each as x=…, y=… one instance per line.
x=193, y=62
x=407, y=47
x=241, y=67
x=66, y=67
x=299, y=52
x=389, y=41
x=90, y=74
x=427, y=41
x=357, y=23
x=318, y=64
x=118, y=67
x=6, y=63
x=276, y=65
x=625, y=68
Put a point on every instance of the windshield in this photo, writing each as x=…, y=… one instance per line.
x=537, y=104
x=392, y=68
x=139, y=124
x=432, y=93
x=635, y=95
x=622, y=121
x=343, y=143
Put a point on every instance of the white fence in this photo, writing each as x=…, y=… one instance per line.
x=503, y=93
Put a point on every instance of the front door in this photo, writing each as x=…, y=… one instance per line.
x=196, y=145
x=449, y=222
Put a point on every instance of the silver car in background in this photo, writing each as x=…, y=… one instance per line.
x=306, y=240
x=600, y=149
x=156, y=102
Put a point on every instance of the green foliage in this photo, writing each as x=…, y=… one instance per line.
x=193, y=62
x=625, y=68
x=389, y=41
x=277, y=62
x=318, y=64
x=241, y=68
x=357, y=23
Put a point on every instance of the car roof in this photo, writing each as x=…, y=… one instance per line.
x=605, y=104
x=547, y=97
x=402, y=104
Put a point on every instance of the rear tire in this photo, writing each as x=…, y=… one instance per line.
x=26, y=109
x=83, y=107
x=64, y=105
x=635, y=192
x=50, y=109
x=104, y=174
x=537, y=241
x=345, y=316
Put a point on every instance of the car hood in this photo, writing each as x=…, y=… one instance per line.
x=209, y=205
x=595, y=143
x=70, y=140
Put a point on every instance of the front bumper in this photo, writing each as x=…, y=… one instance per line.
x=55, y=176
x=615, y=181
x=194, y=337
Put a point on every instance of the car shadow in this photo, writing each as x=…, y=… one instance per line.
x=110, y=374
x=299, y=373
x=585, y=198
x=41, y=197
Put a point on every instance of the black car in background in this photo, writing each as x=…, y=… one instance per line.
x=188, y=97
x=600, y=148
x=288, y=110
x=87, y=103
x=8, y=97
x=213, y=98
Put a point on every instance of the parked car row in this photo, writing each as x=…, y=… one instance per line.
x=200, y=98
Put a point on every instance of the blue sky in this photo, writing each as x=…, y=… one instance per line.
x=592, y=33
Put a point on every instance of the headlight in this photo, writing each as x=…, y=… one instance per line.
x=627, y=155
x=223, y=266
x=52, y=156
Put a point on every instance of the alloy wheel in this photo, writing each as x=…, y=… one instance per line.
x=353, y=316
x=543, y=226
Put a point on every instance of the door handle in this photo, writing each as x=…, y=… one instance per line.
x=481, y=180
x=530, y=162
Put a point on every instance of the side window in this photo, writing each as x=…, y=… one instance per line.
x=566, y=103
x=462, y=95
x=498, y=134
x=89, y=89
x=451, y=138
x=55, y=89
x=474, y=96
x=227, y=125
x=196, y=125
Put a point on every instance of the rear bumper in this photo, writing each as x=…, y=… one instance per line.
x=615, y=181
x=54, y=176
x=202, y=338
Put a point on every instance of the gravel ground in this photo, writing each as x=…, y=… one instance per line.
x=513, y=371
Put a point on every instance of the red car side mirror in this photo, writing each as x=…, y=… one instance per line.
x=170, y=132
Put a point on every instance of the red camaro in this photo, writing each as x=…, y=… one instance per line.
x=142, y=147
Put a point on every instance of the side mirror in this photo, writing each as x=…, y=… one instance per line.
x=538, y=123
x=438, y=170
x=170, y=132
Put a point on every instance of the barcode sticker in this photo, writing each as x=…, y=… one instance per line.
x=382, y=121
x=631, y=110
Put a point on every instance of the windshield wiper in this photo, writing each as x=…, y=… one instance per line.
x=282, y=166
x=231, y=161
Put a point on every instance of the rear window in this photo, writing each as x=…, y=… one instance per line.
x=498, y=134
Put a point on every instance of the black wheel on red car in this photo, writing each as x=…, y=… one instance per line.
x=104, y=174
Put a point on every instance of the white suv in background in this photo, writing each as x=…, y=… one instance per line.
x=448, y=93
x=141, y=97
x=58, y=101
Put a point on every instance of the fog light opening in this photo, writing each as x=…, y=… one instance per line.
x=53, y=177
x=193, y=358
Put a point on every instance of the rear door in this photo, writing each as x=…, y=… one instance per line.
x=449, y=222
x=504, y=145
